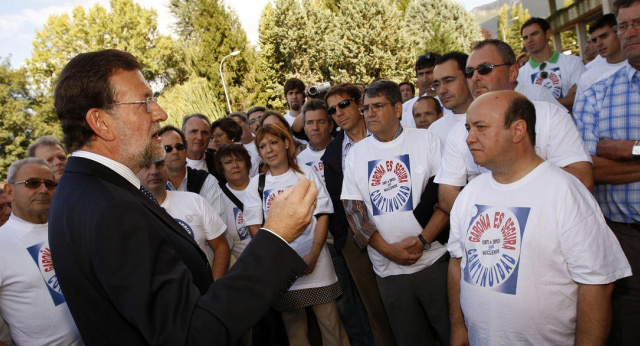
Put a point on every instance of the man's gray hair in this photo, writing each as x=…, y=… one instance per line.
x=43, y=141
x=315, y=105
x=196, y=115
x=15, y=167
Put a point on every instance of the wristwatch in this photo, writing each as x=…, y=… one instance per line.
x=636, y=150
x=426, y=245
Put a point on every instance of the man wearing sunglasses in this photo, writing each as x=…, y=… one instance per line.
x=549, y=74
x=607, y=115
x=131, y=274
x=491, y=66
x=30, y=298
x=424, y=78
x=185, y=178
x=343, y=101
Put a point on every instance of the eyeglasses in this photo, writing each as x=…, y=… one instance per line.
x=543, y=74
x=375, y=107
x=483, y=69
x=4, y=206
x=342, y=104
x=148, y=102
x=622, y=27
x=179, y=147
x=34, y=183
x=428, y=57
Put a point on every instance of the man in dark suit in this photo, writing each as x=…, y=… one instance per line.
x=130, y=273
x=343, y=101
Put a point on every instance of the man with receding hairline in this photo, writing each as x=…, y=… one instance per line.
x=532, y=259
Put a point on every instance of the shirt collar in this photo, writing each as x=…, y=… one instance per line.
x=398, y=132
x=115, y=166
x=553, y=59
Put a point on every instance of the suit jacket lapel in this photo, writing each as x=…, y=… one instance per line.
x=86, y=166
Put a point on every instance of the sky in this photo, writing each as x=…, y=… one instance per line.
x=20, y=19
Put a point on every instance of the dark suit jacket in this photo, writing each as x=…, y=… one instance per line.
x=332, y=159
x=131, y=275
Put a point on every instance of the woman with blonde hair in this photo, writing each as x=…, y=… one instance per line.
x=318, y=287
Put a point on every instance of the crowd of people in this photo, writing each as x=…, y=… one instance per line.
x=497, y=204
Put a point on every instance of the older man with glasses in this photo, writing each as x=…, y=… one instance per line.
x=31, y=301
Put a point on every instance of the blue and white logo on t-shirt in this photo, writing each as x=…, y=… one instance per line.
x=186, y=227
x=390, y=185
x=41, y=254
x=492, y=247
x=243, y=231
x=552, y=80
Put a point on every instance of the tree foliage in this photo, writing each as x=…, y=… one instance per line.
x=569, y=38
x=193, y=96
x=19, y=125
x=509, y=24
x=431, y=22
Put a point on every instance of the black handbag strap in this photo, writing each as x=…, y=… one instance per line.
x=231, y=196
x=261, y=180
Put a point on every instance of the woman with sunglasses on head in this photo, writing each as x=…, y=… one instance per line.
x=318, y=287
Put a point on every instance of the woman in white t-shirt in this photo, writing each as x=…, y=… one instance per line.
x=234, y=162
x=318, y=287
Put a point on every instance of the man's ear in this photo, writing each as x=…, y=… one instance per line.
x=101, y=123
x=518, y=131
x=398, y=109
x=8, y=191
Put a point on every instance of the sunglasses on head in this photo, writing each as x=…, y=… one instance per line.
x=34, y=183
x=428, y=57
x=342, y=104
x=179, y=147
x=482, y=69
x=543, y=74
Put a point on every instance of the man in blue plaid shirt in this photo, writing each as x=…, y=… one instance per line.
x=608, y=116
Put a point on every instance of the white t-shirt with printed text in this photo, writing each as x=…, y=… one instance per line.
x=557, y=141
x=312, y=158
x=31, y=301
x=525, y=247
x=563, y=71
x=389, y=177
x=257, y=209
x=236, y=227
x=196, y=216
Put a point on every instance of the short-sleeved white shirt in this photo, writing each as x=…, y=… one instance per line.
x=443, y=126
x=525, y=247
x=596, y=73
x=257, y=209
x=312, y=158
x=196, y=216
x=563, y=71
x=236, y=228
x=389, y=177
x=557, y=141
x=31, y=301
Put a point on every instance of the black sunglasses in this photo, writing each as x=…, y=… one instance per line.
x=342, y=104
x=179, y=147
x=543, y=74
x=482, y=69
x=428, y=57
x=34, y=183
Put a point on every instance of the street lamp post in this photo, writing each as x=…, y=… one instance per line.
x=222, y=76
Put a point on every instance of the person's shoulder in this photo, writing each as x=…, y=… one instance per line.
x=423, y=135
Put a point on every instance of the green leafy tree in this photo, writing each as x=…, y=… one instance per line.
x=19, y=124
x=509, y=24
x=193, y=96
x=430, y=22
x=127, y=27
